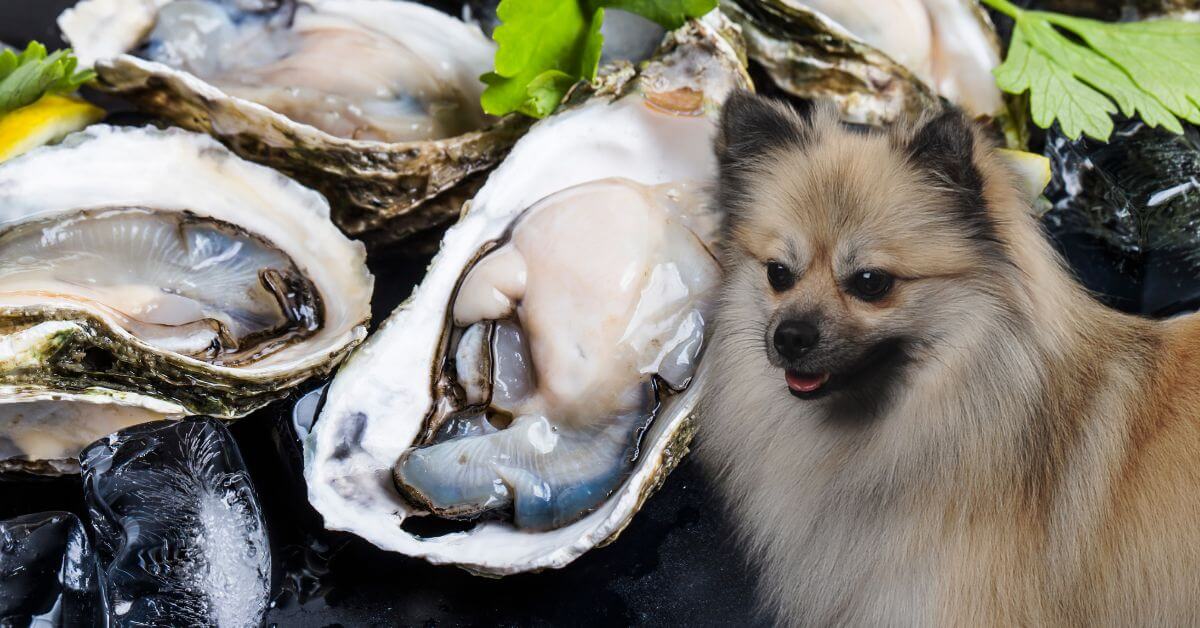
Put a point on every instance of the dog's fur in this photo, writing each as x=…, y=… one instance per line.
x=1001, y=449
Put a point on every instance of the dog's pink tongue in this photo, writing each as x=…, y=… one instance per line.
x=802, y=382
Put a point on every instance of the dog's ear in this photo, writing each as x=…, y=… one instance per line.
x=751, y=126
x=944, y=147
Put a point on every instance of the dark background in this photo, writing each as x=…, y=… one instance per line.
x=674, y=565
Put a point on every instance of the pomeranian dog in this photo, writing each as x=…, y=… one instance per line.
x=916, y=416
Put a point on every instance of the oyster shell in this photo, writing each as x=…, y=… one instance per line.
x=636, y=149
x=43, y=431
x=395, y=151
x=165, y=266
x=877, y=61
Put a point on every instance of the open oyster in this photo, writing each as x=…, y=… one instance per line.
x=42, y=431
x=375, y=103
x=876, y=60
x=540, y=380
x=158, y=263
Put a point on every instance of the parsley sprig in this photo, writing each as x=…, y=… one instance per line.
x=26, y=77
x=546, y=46
x=1150, y=69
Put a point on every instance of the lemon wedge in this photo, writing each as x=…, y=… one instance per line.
x=47, y=120
x=1033, y=170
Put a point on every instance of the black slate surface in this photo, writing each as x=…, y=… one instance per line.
x=674, y=566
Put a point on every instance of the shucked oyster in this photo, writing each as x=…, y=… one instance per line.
x=159, y=264
x=876, y=60
x=288, y=58
x=540, y=380
x=573, y=332
x=375, y=103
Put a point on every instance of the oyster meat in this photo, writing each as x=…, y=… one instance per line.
x=597, y=299
x=540, y=381
x=375, y=103
x=164, y=266
x=286, y=58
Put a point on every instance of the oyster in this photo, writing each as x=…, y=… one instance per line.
x=877, y=60
x=374, y=103
x=164, y=266
x=634, y=282
x=42, y=432
x=540, y=380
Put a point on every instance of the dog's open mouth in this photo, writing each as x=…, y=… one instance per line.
x=873, y=371
x=806, y=385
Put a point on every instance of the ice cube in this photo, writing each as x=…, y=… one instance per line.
x=47, y=573
x=180, y=537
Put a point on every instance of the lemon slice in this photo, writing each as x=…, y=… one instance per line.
x=47, y=120
x=1032, y=168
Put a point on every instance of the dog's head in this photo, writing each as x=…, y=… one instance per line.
x=854, y=252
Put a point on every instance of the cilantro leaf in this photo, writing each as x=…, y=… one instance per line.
x=670, y=14
x=1054, y=91
x=546, y=46
x=1162, y=57
x=26, y=77
x=1147, y=69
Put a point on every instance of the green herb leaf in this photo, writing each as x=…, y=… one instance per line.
x=1147, y=69
x=1162, y=57
x=535, y=37
x=26, y=77
x=670, y=14
x=546, y=46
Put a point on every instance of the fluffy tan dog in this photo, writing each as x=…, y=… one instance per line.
x=918, y=417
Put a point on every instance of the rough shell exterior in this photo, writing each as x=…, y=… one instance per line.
x=809, y=56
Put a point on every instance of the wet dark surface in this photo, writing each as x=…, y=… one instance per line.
x=1126, y=214
x=674, y=565
x=46, y=571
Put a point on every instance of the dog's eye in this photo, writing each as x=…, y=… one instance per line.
x=869, y=285
x=779, y=276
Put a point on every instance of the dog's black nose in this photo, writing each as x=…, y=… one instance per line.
x=794, y=338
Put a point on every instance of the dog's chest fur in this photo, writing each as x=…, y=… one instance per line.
x=849, y=530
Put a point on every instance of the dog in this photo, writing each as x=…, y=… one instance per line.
x=914, y=414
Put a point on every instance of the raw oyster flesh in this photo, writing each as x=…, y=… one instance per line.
x=167, y=267
x=329, y=69
x=569, y=333
x=538, y=385
x=193, y=285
